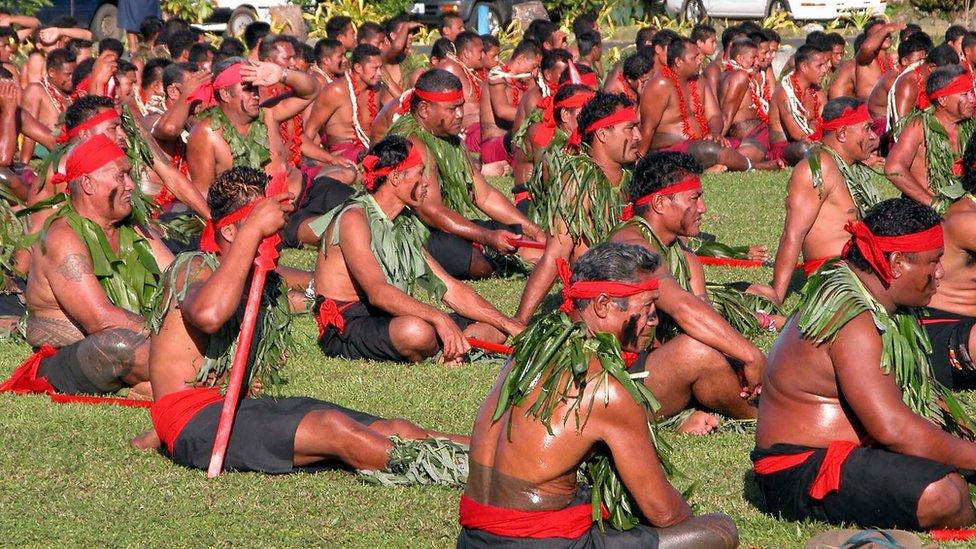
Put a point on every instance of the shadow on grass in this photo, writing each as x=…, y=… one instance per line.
x=751, y=492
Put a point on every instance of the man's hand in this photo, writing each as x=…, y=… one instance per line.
x=894, y=26
x=875, y=161
x=759, y=253
x=48, y=36
x=453, y=343
x=269, y=216
x=9, y=96
x=261, y=73
x=193, y=80
x=4, y=19
x=104, y=68
x=719, y=139
x=752, y=372
x=338, y=160
x=502, y=241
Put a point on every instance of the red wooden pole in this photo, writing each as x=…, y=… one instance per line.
x=489, y=346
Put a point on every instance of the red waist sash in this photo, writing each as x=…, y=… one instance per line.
x=521, y=196
x=809, y=267
x=25, y=380
x=569, y=523
x=171, y=413
x=330, y=314
x=828, y=476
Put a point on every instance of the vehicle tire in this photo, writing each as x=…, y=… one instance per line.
x=239, y=19
x=694, y=11
x=777, y=5
x=105, y=23
x=495, y=20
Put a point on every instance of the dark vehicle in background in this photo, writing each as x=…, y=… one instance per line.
x=99, y=16
x=429, y=12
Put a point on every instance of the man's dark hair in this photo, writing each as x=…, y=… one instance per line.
x=859, y=40
x=677, y=49
x=657, y=170
x=540, y=30
x=110, y=44
x=391, y=25
x=84, y=108
x=601, y=106
x=58, y=58
x=664, y=38
x=362, y=52
x=304, y=52
x=804, y=54
x=954, y=32
x=613, y=261
x=893, y=217
x=818, y=39
x=269, y=44
x=835, y=39
x=442, y=48
x=645, y=36
x=490, y=41
x=739, y=46
x=588, y=40
x=368, y=30
x=233, y=189
x=526, y=48
x=444, y=20
x=759, y=37
x=585, y=21
x=749, y=26
x=731, y=34
x=636, y=66
x=75, y=45
x=871, y=24
x=230, y=47
x=771, y=36
x=702, y=32
x=82, y=70
x=434, y=80
x=336, y=26
x=392, y=150
x=942, y=55
x=566, y=91
x=551, y=58
x=255, y=32
x=918, y=42
x=124, y=67
x=836, y=107
x=465, y=39
x=968, y=40
x=199, y=52
x=175, y=72
x=940, y=77
x=8, y=33
x=150, y=27
x=911, y=29
x=179, y=42
x=325, y=47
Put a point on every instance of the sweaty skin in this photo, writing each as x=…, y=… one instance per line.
x=957, y=290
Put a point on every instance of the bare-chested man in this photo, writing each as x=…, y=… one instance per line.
x=871, y=61
x=851, y=422
x=842, y=81
x=502, y=98
x=458, y=192
x=680, y=113
x=967, y=58
x=330, y=61
x=924, y=161
x=903, y=84
x=744, y=92
x=526, y=450
x=399, y=33
x=86, y=325
x=450, y=25
x=551, y=67
x=635, y=71
x=373, y=260
x=194, y=340
x=826, y=191
x=468, y=58
x=47, y=100
x=796, y=106
x=712, y=72
x=344, y=110
x=341, y=28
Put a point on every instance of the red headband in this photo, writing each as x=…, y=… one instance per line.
x=873, y=247
x=848, y=118
x=88, y=157
x=960, y=84
x=626, y=114
x=67, y=135
x=589, y=79
x=208, y=240
x=207, y=92
x=430, y=97
x=588, y=289
x=371, y=173
x=543, y=134
x=690, y=183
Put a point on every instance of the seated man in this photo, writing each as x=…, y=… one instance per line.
x=195, y=327
x=852, y=424
x=527, y=449
x=871, y=58
x=374, y=258
x=741, y=95
x=923, y=162
x=825, y=192
x=91, y=284
x=911, y=57
x=796, y=105
x=908, y=91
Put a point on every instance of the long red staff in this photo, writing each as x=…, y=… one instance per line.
x=266, y=259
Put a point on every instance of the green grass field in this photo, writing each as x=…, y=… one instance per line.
x=69, y=478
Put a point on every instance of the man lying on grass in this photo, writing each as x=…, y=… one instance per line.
x=853, y=427
x=374, y=258
x=195, y=326
x=566, y=403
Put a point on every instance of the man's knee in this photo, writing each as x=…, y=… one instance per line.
x=414, y=336
x=696, y=352
x=945, y=503
x=706, y=152
x=117, y=354
x=710, y=531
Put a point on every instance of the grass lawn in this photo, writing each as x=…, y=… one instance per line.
x=69, y=477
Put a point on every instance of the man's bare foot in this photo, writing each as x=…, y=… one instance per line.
x=772, y=165
x=717, y=168
x=8, y=324
x=146, y=441
x=699, y=423
x=758, y=253
x=496, y=169
x=140, y=391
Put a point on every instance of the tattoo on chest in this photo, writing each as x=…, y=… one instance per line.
x=74, y=267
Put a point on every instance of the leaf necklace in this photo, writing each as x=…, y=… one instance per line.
x=683, y=107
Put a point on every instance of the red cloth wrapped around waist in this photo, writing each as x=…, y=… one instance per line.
x=171, y=413
x=24, y=379
x=811, y=266
x=350, y=150
x=569, y=523
x=828, y=476
x=330, y=314
x=521, y=196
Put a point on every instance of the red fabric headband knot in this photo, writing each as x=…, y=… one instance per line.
x=88, y=157
x=960, y=84
x=588, y=289
x=207, y=92
x=371, y=173
x=873, y=247
x=848, y=118
x=67, y=135
x=547, y=128
x=690, y=183
x=626, y=114
x=208, y=240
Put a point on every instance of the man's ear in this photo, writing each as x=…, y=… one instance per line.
x=899, y=263
x=840, y=134
x=229, y=232
x=601, y=305
x=87, y=184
